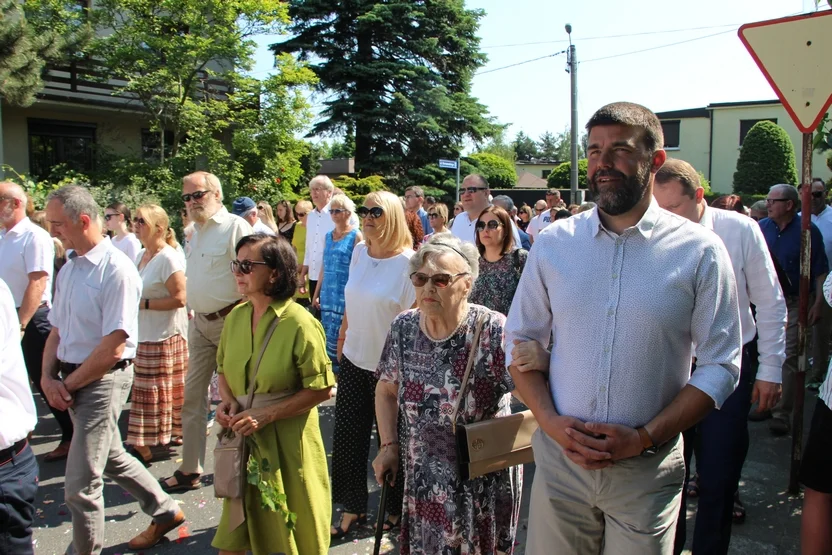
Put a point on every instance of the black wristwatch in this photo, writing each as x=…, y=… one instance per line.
x=648, y=447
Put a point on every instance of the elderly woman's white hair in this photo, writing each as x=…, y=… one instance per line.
x=445, y=243
x=341, y=200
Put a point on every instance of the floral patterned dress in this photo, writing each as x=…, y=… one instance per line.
x=442, y=514
x=497, y=282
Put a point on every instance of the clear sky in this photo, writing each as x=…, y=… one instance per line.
x=534, y=97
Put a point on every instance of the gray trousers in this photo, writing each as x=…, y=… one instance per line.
x=96, y=451
x=629, y=508
x=783, y=408
x=203, y=340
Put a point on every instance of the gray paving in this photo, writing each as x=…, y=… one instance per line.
x=772, y=526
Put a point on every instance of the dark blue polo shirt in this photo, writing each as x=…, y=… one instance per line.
x=785, y=246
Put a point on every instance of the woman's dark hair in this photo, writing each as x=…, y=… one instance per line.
x=122, y=209
x=505, y=220
x=729, y=202
x=562, y=214
x=279, y=255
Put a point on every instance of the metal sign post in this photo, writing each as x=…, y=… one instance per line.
x=792, y=53
x=452, y=165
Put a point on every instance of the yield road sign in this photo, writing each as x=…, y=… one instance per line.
x=447, y=164
x=793, y=54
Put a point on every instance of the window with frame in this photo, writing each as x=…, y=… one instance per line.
x=747, y=124
x=53, y=142
x=152, y=142
x=671, y=129
x=545, y=173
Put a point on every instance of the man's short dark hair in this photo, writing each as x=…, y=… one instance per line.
x=631, y=115
x=279, y=255
x=416, y=190
x=562, y=214
x=479, y=177
x=682, y=172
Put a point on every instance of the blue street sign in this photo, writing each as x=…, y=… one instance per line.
x=447, y=164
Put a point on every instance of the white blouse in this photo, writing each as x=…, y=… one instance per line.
x=159, y=325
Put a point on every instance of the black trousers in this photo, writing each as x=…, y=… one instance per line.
x=720, y=442
x=315, y=312
x=354, y=416
x=34, y=341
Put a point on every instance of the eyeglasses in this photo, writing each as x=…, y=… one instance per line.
x=439, y=280
x=261, y=208
x=301, y=214
x=773, y=200
x=108, y=216
x=196, y=195
x=433, y=215
x=409, y=197
x=818, y=194
x=337, y=211
x=140, y=221
x=491, y=225
x=245, y=266
x=375, y=212
x=471, y=190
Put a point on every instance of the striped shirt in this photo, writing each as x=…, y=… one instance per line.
x=825, y=391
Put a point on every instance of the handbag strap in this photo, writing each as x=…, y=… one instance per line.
x=266, y=340
x=475, y=346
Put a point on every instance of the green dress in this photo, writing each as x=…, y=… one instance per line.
x=295, y=358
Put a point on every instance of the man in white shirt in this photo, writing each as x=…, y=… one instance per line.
x=28, y=261
x=212, y=294
x=87, y=368
x=246, y=208
x=318, y=224
x=475, y=197
x=18, y=467
x=545, y=216
x=723, y=434
x=610, y=464
x=822, y=218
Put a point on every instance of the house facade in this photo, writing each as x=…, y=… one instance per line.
x=710, y=138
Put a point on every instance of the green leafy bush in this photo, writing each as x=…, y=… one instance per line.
x=766, y=158
x=499, y=171
x=358, y=188
x=560, y=179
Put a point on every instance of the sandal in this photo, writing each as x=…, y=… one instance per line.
x=184, y=482
x=340, y=532
x=738, y=514
x=390, y=525
x=693, y=487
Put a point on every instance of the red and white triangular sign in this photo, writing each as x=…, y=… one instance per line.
x=793, y=54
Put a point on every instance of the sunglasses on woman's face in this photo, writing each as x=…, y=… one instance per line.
x=245, y=266
x=197, y=195
x=375, y=212
x=439, y=280
x=491, y=225
x=432, y=215
x=336, y=211
x=108, y=216
x=140, y=221
x=301, y=214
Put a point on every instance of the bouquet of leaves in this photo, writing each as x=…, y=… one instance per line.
x=259, y=473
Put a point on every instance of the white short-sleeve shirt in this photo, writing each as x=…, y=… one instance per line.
x=159, y=325
x=318, y=224
x=130, y=245
x=378, y=290
x=17, y=408
x=97, y=293
x=24, y=249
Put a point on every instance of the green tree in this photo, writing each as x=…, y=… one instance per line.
x=499, y=171
x=32, y=35
x=397, y=72
x=497, y=145
x=548, y=146
x=560, y=176
x=524, y=147
x=766, y=158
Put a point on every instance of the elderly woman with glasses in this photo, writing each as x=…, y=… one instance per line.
x=421, y=370
x=500, y=263
x=376, y=292
x=162, y=354
x=329, y=292
x=294, y=377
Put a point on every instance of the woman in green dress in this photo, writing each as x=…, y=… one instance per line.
x=294, y=367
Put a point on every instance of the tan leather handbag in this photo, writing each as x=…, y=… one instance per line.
x=494, y=444
x=231, y=452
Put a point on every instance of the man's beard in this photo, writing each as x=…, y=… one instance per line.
x=617, y=200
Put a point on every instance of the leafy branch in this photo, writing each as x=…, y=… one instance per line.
x=258, y=474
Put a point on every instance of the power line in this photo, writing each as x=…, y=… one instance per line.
x=576, y=39
x=656, y=47
x=521, y=63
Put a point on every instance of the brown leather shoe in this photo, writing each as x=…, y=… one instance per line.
x=155, y=532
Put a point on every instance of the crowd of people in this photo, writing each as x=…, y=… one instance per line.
x=418, y=318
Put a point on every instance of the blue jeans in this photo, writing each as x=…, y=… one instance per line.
x=720, y=441
x=18, y=486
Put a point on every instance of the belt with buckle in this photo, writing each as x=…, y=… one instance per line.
x=8, y=453
x=69, y=367
x=221, y=313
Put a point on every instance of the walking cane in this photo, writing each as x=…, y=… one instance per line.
x=385, y=488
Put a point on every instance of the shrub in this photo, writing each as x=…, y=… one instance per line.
x=499, y=171
x=766, y=158
x=358, y=188
x=560, y=179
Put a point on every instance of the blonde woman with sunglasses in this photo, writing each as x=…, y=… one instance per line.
x=264, y=212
